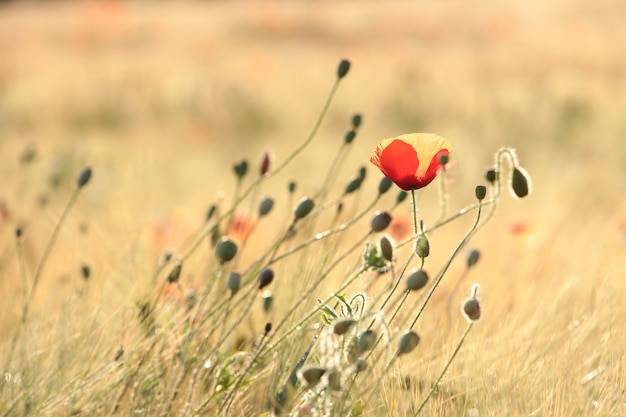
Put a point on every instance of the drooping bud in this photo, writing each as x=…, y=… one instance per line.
x=84, y=177
x=361, y=365
x=174, y=274
x=384, y=185
x=471, y=309
x=265, y=164
x=312, y=375
x=341, y=326
x=292, y=186
x=481, y=192
x=520, y=183
x=362, y=173
x=408, y=342
x=380, y=221
x=303, y=208
x=226, y=249
x=386, y=248
x=356, y=120
x=241, y=169
x=349, y=136
x=472, y=257
x=353, y=185
x=85, y=271
x=334, y=379
x=401, y=196
x=234, y=282
x=343, y=68
x=265, y=206
x=416, y=280
x=266, y=276
x=366, y=341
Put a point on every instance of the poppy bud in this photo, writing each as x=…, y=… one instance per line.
x=343, y=68
x=384, y=185
x=356, y=120
x=268, y=301
x=268, y=328
x=226, y=249
x=491, y=175
x=303, y=208
x=174, y=274
x=416, y=280
x=339, y=207
x=362, y=173
x=292, y=186
x=386, y=248
x=241, y=169
x=84, y=177
x=444, y=159
x=408, y=342
x=520, y=184
x=85, y=271
x=471, y=309
x=341, y=326
x=422, y=246
x=19, y=232
x=312, y=375
x=210, y=212
x=401, y=196
x=265, y=164
x=234, y=282
x=472, y=257
x=481, y=192
x=361, y=365
x=266, y=277
x=334, y=380
x=265, y=206
x=366, y=341
x=349, y=136
x=380, y=221
x=353, y=185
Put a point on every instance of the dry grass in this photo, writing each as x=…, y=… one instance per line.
x=162, y=98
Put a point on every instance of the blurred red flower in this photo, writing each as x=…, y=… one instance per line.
x=411, y=161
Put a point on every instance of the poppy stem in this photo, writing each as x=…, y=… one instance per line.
x=414, y=217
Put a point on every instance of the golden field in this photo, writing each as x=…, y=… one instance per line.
x=161, y=99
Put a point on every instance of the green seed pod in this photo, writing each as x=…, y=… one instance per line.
x=241, y=169
x=422, y=246
x=265, y=206
x=226, y=249
x=481, y=192
x=444, y=159
x=384, y=185
x=471, y=309
x=84, y=177
x=380, y=221
x=303, y=208
x=265, y=277
x=401, y=196
x=386, y=248
x=312, y=375
x=343, y=68
x=234, y=282
x=353, y=185
x=472, y=257
x=174, y=274
x=491, y=176
x=416, y=280
x=341, y=326
x=408, y=342
x=520, y=185
x=356, y=120
x=366, y=341
x=349, y=136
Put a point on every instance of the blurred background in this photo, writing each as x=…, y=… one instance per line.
x=162, y=98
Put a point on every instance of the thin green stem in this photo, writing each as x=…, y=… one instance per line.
x=445, y=369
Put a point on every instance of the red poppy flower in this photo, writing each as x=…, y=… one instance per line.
x=411, y=161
